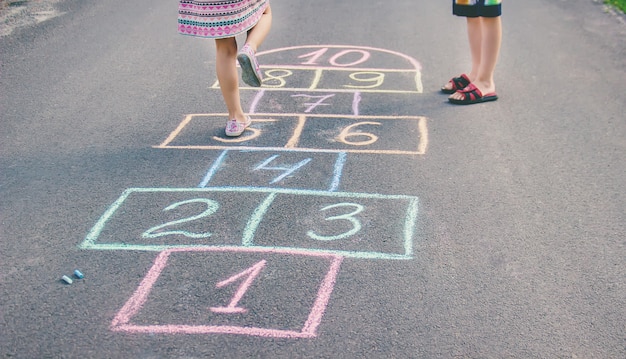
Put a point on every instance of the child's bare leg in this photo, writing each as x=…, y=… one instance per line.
x=491, y=40
x=475, y=38
x=257, y=34
x=228, y=76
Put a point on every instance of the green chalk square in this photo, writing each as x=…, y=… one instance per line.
x=357, y=225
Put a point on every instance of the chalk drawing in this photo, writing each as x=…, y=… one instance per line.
x=415, y=135
x=364, y=69
x=277, y=101
x=341, y=160
x=323, y=60
x=337, y=223
x=156, y=231
x=313, y=105
x=256, y=101
x=336, y=80
x=288, y=171
x=356, y=224
x=399, y=246
x=377, y=79
x=297, y=133
x=255, y=220
x=250, y=274
x=214, y=168
x=240, y=168
x=276, y=81
x=315, y=55
x=355, y=103
x=347, y=132
x=123, y=319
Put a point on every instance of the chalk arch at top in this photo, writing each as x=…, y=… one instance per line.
x=341, y=57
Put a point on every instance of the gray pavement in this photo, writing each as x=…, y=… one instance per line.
x=361, y=216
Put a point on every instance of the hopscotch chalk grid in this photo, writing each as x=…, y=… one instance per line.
x=219, y=318
x=233, y=227
x=384, y=231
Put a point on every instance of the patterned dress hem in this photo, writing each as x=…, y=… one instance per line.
x=198, y=26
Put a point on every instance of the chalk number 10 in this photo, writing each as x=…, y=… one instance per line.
x=335, y=59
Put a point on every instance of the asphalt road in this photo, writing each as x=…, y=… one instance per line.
x=361, y=216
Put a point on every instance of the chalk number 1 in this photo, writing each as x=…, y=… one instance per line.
x=249, y=274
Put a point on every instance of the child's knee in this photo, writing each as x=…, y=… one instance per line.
x=226, y=46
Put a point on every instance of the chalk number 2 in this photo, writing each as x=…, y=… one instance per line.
x=155, y=232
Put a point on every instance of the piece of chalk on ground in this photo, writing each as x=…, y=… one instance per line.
x=67, y=279
x=78, y=274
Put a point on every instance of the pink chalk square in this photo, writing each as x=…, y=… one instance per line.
x=232, y=290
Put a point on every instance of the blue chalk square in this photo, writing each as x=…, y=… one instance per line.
x=297, y=170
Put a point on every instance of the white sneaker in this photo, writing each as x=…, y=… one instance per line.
x=235, y=128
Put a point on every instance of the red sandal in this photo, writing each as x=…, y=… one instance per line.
x=458, y=83
x=472, y=95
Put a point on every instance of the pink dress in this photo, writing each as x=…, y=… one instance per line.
x=218, y=19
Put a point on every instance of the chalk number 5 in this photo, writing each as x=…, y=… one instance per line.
x=350, y=217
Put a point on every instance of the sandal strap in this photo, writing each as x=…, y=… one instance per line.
x=471, y=92
x=460, y=82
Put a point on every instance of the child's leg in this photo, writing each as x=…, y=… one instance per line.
x=475, y=37
x=250, y=69
x=487, y=54
x=228, y=76
x=491, y=40
x=257, y=34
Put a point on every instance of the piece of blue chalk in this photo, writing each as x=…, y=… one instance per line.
x=78, y=274
x=67, y=279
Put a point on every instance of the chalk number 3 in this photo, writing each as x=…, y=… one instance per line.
x=350, y=217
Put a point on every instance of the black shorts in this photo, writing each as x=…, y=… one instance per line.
x=477, y=8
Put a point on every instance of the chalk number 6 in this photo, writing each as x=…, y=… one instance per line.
x=356, y=224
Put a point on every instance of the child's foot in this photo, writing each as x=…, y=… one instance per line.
x=235, y=128
x=455, y=84
x=471, y=95
x=250, y=71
